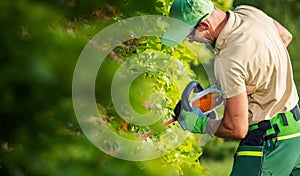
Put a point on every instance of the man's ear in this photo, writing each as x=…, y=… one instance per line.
x=204, y=25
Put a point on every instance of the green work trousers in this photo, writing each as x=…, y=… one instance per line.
x=271, y=148
x=275, y=158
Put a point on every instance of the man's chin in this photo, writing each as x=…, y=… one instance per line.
x=207, y=42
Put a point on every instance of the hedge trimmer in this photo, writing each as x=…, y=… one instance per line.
x=207, y=100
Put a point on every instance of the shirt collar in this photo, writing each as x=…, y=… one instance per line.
x=226, y=31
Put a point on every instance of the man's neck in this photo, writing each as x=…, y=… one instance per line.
x=221, y=18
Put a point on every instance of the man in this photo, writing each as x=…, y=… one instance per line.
x=253, y=69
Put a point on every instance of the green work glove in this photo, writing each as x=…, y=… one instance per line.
x=195, y=121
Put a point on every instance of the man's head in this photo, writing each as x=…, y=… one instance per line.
x=191, y=12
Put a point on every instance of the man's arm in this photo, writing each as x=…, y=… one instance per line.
x=234, y=124
x=284, y=34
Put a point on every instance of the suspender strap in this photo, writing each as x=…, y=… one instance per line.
x=284, y=120
x=274, y=135
x=296, y=112
x=263, y=125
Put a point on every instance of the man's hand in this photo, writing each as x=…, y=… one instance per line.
x=195, y=121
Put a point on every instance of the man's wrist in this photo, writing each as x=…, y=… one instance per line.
x=212, y=126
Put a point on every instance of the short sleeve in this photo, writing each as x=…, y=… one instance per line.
x=231, y=77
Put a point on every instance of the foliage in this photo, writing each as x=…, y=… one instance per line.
x=40, y=44
x=166, y=76
x=224, y=4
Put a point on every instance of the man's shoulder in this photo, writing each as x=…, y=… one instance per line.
x=249, y=10
x=246, y=8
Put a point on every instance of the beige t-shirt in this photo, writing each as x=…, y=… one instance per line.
x=251, y=57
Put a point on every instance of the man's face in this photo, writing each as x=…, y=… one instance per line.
x=200, y=34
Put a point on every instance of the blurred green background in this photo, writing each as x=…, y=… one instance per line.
x=40, y=44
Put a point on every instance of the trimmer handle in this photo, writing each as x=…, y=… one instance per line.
x=192, y=86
